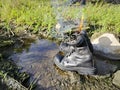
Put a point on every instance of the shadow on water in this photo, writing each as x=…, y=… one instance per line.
x=104, y=66
x=37, y=60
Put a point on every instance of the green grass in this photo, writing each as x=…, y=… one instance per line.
x=37, y=15
x=104, y=18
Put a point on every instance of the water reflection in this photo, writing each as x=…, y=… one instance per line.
x=104, y=66
x=36, y=52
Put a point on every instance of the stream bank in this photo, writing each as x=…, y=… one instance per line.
x=10, y=75
x=33, y=56
x=37, y=60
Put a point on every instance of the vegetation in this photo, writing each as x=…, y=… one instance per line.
x=9, y=68
x=38, y=15
x=34, y=15
x=103, y=17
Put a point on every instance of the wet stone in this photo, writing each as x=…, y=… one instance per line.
x=12, y=84
x=116, y=79
x=107, y=46
x=73, y=77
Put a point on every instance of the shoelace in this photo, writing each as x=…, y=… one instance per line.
x=70, y=53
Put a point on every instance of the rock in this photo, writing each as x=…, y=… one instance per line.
x=73, y=77
x=116, y=79
x=11, y=83
x=107, y=46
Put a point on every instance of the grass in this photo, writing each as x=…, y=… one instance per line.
x=34, y=14
x=103, y=17
x=37, y=15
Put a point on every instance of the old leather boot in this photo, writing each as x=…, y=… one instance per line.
x=76, y=55
x=67, y=46
x=75, y=61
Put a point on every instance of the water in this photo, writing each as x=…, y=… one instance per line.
x=37, y=59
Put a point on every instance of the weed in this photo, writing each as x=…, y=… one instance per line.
x=35, y=14
x=39, y=15
x=106, y=17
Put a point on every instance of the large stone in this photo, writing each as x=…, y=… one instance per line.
x=11, y=83
x=107, y=46
x=116, y=79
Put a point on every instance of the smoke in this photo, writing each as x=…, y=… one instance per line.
x=60, y=7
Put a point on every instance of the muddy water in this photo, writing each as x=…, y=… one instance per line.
x=38, y=61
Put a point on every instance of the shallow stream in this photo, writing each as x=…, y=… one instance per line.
x=37, y=60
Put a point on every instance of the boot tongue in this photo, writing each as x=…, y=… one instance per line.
x=84, y=32
x=78, y=49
